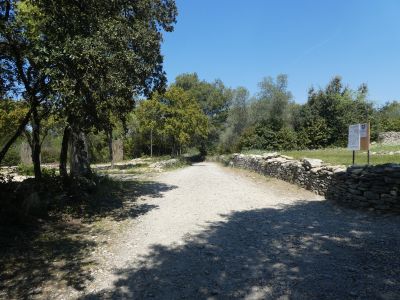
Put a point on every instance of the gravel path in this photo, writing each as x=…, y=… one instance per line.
x=217, y=233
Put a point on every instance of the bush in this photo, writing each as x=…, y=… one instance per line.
x=50, y=155
x=286, y=139
x=26, y=170
x=12, y=158
x=261, y=136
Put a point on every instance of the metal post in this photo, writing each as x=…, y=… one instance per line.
x=354, y=156
x=368, y=156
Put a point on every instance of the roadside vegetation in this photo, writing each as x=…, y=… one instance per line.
x=379, y=154
x=78, y=76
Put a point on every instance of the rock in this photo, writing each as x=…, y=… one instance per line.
x=310, y=163
x=371, y=195
x=165, y=163
x=270, y=155
x=34, y=206
x=287, y=157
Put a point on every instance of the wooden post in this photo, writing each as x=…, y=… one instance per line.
x=365, y=139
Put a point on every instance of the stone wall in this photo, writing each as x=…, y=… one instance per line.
x=389, y=138
x=375, y=187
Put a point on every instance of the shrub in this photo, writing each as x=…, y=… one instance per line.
x=261, y=136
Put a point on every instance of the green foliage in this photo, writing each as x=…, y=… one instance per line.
x=261, y=136
x=12, y=158
x=274, y=122
x=236, y=122
x=214, y=99
x=11, y=114
x=328, y=113
x=272, y=104
x=25, y=170
x=86, y=61
x=172, y=120
x=388, y=118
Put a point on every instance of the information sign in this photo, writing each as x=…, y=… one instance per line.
x=354, y=137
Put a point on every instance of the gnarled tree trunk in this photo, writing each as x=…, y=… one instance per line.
x=64, y=152
x=110, y=146
x=36, y=145
x=80, y=165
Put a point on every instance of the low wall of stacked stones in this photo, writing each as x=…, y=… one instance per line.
x=373, y=187
x=389, y=138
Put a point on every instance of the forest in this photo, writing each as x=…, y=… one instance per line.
x=114, y=178
x=75, y=79
x=196, y=116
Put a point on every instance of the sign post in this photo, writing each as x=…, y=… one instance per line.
x=359, y=139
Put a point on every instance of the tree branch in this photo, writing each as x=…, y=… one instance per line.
x=16, y=135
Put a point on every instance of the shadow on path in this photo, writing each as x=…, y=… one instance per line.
x=58, y=250
x=309, y=250
x=121, y=203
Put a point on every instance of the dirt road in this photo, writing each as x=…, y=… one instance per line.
x=216, y=233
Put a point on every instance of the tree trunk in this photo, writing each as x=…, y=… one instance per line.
x=80, y=166
x=151, y=142
x=110, y=146
x=36, y=147
x=19, y=131
x=64, y=152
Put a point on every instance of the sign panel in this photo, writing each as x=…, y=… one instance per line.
x=354, y=137
x=363, y=130
x=365, y=136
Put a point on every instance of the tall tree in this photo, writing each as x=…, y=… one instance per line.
x=23, y=65
x=324, y=119
x=272, y=103
x=214, y=99
x=185, y=121
x=237, y=120
x=94, y=55
x=151, y=117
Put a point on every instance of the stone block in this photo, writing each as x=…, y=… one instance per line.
x=371, y=195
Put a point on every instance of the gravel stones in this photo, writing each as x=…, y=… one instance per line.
x=374, y=187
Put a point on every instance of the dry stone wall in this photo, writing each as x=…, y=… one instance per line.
x=375, y=187
x=368, y=186
x=389, y=138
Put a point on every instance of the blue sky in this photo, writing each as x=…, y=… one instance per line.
x=240, y=42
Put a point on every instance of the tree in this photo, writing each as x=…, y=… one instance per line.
x=88, y=57
x=23, y=64
x=172, y=121
x=151, y=116
x=214, y=99
x=11, y=114
x=272, y=103
x=331, y=110
x=184, y=120
x=237, y=120
x=387, y=117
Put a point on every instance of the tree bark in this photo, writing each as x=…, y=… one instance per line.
x=19, y=131
x=36, y=145
x=151, y=142
x=110, y=146
x=80, y=166
x=64, y=152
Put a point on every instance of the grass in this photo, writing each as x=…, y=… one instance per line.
x=342, y=156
